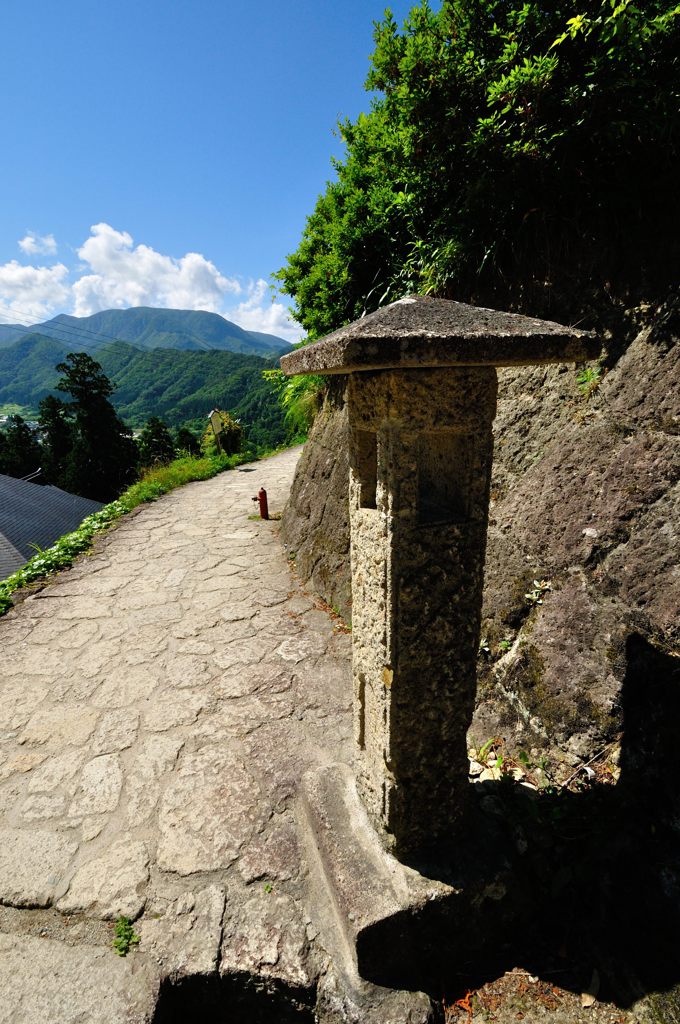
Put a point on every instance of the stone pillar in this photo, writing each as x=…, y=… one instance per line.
x=420, y=466
x=421, y=403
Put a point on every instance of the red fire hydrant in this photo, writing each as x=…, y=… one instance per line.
x=261, y=497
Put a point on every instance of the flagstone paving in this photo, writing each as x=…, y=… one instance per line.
x=158, y=705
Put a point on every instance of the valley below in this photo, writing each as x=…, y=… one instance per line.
x=174, y=364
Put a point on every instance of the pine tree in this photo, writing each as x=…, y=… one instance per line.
x=57, y=438
x=156, y=447
x=103, y=458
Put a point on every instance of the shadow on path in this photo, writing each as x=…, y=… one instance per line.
x=562, y=883
x=239, y=999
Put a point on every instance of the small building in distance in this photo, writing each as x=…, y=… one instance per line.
x=35, y=516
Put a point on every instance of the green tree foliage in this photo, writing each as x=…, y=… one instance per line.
x=102, y=459
x=517, y=153
x=156, y=447
x=230, y=436
x=20, y=452
x=299, y=397
x=186, y=441
x=58, y=436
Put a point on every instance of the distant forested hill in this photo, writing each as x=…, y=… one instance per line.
x=183, y=387
x=179, y=386
x=27, y=369
x=150, y=328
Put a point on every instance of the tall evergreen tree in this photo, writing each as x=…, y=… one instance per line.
x=20, y=451
x=103, y=457
x=155, y=443
x=57, y=438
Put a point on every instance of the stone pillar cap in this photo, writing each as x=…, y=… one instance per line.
x=419, y=331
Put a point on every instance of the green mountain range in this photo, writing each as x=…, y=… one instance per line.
x=149, y=328
x=11, y=333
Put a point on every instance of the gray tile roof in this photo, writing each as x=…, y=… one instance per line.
x=10, y=558
x=34, y=514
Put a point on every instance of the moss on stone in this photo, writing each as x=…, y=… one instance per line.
x=665, y=1006
x=556, y=715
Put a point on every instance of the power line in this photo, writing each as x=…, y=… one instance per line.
x=73, y=340
x=71, y=332
x=78, y=332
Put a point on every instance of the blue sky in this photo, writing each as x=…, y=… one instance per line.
x=167, y=153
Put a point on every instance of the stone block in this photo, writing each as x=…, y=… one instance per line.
x=110, y=885
x=33, y=865
x=420, y=331
x=208, y=811
x=364, y=901
x=268, y=940
x=47, y=982
x=185, y=940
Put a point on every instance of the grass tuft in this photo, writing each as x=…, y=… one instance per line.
x=125, y=936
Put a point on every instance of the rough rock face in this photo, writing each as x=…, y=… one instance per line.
x=315, y=524
x=586, y=502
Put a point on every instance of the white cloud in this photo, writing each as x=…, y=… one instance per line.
x=260, y=313
x=123, y=274
x=33, y=244
x=30, y=294
x=115, y=273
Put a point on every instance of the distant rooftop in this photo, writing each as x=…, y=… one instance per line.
x=419, y=331
x=33, y=516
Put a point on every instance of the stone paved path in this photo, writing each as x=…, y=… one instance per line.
x=158, y=705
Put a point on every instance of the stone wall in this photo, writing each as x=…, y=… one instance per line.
x=585, y=500
x=315, y=523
